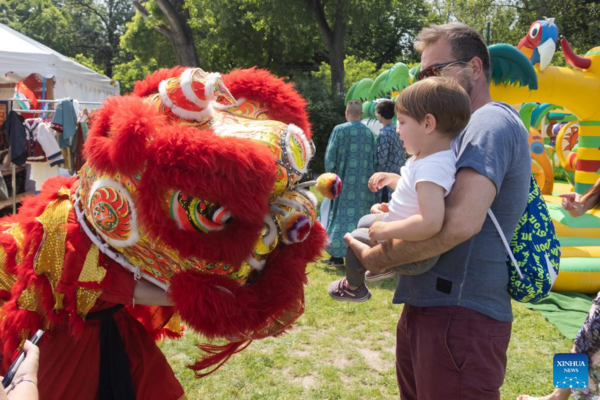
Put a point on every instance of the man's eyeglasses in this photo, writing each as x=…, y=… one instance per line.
x=436, y=69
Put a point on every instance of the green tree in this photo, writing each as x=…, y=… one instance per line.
x=354, y=69
x=389, y=38
x=88, y=27
x=130, y=72
x=171, y=19
x=380, y=30
x=100, y=24
x=88, y=62
x=502, y=19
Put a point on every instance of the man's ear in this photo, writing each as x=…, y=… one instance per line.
x=477, y=66
x=430, y=123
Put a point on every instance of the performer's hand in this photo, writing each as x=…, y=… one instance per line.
x=148, y=294
x=29, y=367
x=3, y=395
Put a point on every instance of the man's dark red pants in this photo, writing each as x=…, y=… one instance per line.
x=450, y=353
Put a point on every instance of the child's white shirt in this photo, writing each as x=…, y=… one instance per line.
x=438, y=168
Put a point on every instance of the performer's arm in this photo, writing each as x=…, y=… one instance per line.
x=147, y=294
x=466, y=210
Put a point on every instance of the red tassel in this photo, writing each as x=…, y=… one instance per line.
x=217, y=355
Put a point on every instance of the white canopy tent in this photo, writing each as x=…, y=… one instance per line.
x=21, y=56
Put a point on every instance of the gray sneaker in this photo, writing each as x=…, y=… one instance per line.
x=371, y=277
x=338, y=290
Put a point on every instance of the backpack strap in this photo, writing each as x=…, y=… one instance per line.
x=506, y=245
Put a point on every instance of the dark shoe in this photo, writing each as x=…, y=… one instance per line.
x=371, y=277
x=335, y=261
x=339, y=291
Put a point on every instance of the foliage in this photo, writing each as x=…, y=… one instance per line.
x=145, y=44
x=88, y=62
x=71, y=27
x=130, y=72
x=355, y=71
x=325, y=112
x=387, y=37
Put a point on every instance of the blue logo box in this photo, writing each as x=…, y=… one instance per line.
x=570, y=371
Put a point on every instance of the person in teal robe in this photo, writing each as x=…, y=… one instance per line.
x=352, y=155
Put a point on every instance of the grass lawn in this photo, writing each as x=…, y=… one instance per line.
x=346, y=351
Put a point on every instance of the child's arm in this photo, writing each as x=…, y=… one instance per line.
x=418, y=227
x=380, y=180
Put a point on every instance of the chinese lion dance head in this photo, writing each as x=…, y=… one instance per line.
x=192, y=183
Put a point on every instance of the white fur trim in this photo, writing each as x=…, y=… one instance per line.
x=134, y=235
x=255, y=264
x=180, y=112
x=209, y=85
x=308, y=194
x=290, y=203
x=187, y=89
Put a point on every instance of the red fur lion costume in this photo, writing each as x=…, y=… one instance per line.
x=192, y=184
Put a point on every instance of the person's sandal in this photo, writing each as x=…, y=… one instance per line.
x=371, y=277
x=339, y=291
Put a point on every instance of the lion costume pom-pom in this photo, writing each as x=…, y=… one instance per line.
x=329, y=185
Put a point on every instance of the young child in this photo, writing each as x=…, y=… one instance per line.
x=430, y=113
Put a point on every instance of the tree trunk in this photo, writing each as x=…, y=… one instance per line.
x=336, y=62
x=178, y=31
x=181, y=36
x=334, y=38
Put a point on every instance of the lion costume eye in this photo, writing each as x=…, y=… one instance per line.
x=194, y=214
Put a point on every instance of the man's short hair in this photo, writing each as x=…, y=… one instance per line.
x=354, y=108
x=464, y=41
x=443, y=98
x=385, y=108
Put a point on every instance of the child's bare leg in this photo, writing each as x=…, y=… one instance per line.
x=558, y=394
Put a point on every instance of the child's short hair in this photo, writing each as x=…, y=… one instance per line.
x=442, y=97
x=385, y=108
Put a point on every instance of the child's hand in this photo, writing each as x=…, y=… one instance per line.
x=377, y=181
x=377, y=231
x=573, y=204
x=380, y=208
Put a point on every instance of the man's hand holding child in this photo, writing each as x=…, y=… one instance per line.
x=377, y=231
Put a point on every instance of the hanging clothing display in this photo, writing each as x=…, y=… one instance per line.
x=65, y=122
x=42, y=142
x=15, y=132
